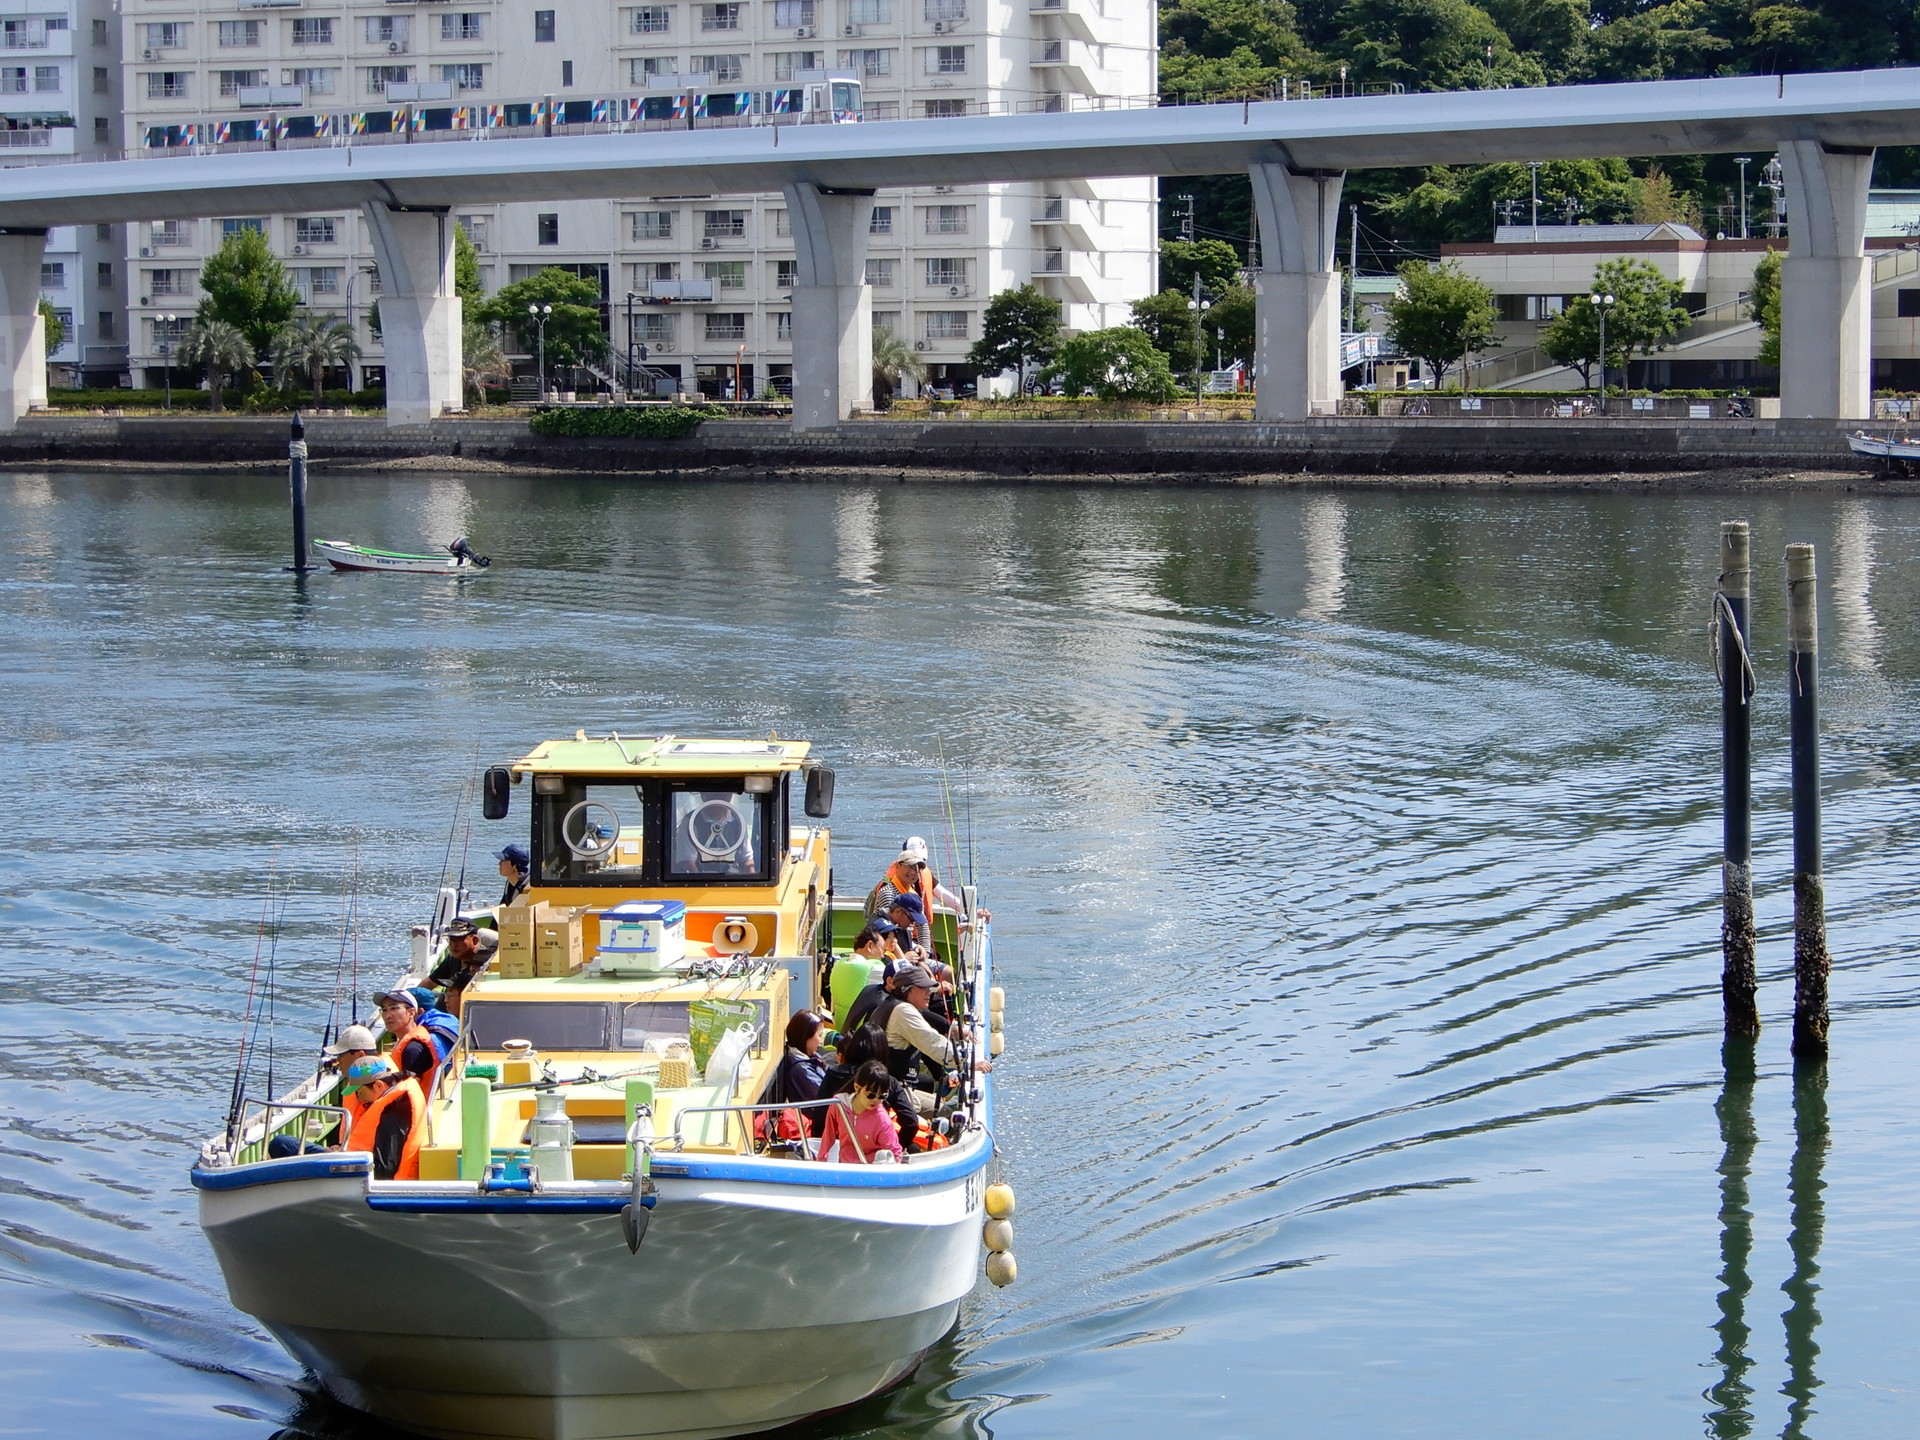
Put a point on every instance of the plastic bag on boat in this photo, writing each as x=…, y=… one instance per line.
x=728, y=1054
x=708, y=1020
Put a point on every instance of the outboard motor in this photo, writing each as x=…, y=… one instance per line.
x=462, y=551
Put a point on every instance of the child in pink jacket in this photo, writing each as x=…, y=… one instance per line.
x=870, y=1129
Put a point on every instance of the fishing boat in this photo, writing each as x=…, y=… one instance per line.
x=458, y=559
x=602, y=1241
x=1902, y=452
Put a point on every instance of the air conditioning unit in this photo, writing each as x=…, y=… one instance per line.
x=954, y=291
x=396, y=47
x=850, y=30
x=939, y=27
x=146, y=54
x=146, y=252
x=803, y=33
x=299, y=249
x=919, y=344
x=709, y=243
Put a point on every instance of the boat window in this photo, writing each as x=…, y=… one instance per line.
x=716, y=832
x=665, y=1020
x=591, y=834
x=548, y=1024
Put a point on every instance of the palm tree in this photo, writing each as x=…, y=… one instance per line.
x=894, y=360
x=312, y=343
x=482, y=359
x=218, y=346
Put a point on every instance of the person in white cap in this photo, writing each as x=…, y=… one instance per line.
x=910, y=874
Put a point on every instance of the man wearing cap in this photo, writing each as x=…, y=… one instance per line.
x=910, y=1032
x=356, y=1042
x=910, y=874
x=392, y=1119
x=413, y=1050
x=516, y=868
x=910, y=917
x=469, y=949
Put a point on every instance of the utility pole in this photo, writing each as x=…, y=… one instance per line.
x=1743, y=161
x=1534, y=166
x=1186, y=217
x=1353, y=268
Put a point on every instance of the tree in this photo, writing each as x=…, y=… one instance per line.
x=482, y=358
x=1440, y=316
x=312, y=343
x=1227, y=46
x=893, y=360
x=1765, y=299
x=1645, y=315
x=1217, y=262
x=574, y=332
x=1227, y=328
x=221, y=347
x=466, y=270
x=55, y=328
x=1019, y=328
x=248, y=288
x=1656, y=198
x=1120, y=363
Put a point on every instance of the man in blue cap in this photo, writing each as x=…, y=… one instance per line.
x=515, y=868
x=906, y=911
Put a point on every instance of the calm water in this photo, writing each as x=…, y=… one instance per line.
x=1354, y=861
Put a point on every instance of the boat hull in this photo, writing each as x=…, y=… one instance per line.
x=354, y=557
x=748, y=1305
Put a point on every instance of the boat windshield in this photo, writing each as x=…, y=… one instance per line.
x=592, y=833
x=559, y=1025
x=715, y=832
x=720, y=830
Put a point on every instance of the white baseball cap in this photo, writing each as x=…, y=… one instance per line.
x=354, y=1037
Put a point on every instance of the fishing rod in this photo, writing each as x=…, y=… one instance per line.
x=238, y=1098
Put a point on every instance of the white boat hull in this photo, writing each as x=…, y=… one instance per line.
x=343, y=556
x=748, y=1305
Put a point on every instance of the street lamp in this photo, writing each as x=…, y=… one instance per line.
x=1603, y=303
x=1743, y=161
x=166, y=357
x=540, y=314
x=1197, y=308
x=631, y=297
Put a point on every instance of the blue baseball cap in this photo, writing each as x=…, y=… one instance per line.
x=880, y=925
x=426, y=998
x=910, y=903
x=517, y=854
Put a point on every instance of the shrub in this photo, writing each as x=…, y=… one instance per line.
x=624, y=422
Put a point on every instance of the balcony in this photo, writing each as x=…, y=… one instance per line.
x=1070, y=63
x=261, y=97
x=1076, y=17
x=663, y=292
x=46, y=140
x=1064, y=273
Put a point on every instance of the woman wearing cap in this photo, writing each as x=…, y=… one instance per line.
x=392, y=1125
x=516, y=868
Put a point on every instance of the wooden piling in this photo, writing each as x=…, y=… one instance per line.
x=297, y=484
x=1739, y=985
x=1811, y=962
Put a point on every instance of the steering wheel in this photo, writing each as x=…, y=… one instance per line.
x=585, y=835
x=717, y=830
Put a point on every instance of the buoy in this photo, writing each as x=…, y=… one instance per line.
x=1000, y=1201
x=996, y=1000
x=998, y=1235
x=996, y=1042
x=1002, y=1268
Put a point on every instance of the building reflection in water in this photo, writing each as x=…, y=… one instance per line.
x=1806, y=1188
x=1323, y=537
x=1731, y=1417
x=1856, y=632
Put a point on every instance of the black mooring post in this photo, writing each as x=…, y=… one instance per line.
x=297, y=481
x=1811, y=962
x=1739, y=986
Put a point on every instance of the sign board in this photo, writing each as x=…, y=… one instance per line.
x=1469, y=402
x=1643, y=402
x=1699, y=412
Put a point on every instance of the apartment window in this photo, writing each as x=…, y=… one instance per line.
x=170, y=332
x=465, y=26
x=13, y=79
x=946, y=324
x=475, y=228
x=946, y=59
x=945, y=12
x=102, y=134
x=653, y=330
x=887, y=320
x=870, y=12
x=381, y=76
x=543, y=27
x=725, y=224
x=313, y=31
x=101, y=85
x=646, y=272
x=720, y=67
x=725, y=274
x=788, y=14
x=388, y=29
x=103, y=232
x=868, y=62
x=161, y=84
x=549, y=228
x=946, y=273
x=315, y=230
x=231, y=228
x=881, y=109
x=28, y=34
x=169, y=232
x=46, y=78
x=638, y=71
x=651, y=224
x=882, y=222
x=724, y=325
x=167, y=35
x=53, y=275
x=465, y=77
x=782, y=223
x=324, y=280
x=65, y=317
x=652, y=20
x=720, y=17
x=100, y=33
x=1907, y=304
x=786, y=274
x=787, y=62
x=236, y=33
x=103, y=324
x=880, y=274
x=943, y=109
x=103, y=273
x=947, y=219
x=783, y=325
x=317, y=80
x=164, y=283
x=231, y=81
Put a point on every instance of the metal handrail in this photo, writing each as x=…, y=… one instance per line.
x=680, y=1144
x=267, y=1109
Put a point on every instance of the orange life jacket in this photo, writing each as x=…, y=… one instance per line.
x=417, y=1031
x=367, y=1126
x=913, y=882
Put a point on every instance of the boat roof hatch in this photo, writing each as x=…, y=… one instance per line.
x=616, y=755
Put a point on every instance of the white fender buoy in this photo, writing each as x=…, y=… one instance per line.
x=996, y=1000
x=996, y=1042
x=1000, y=1202
x=1002, y=1269
x=997, y=1235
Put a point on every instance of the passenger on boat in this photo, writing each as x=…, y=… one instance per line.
x=516, y=868
x=413, y=1049
x=906, y=912
x=853, y=975
x=911, y=874
x=354, y=1042
x=856, y=1048
x=801, y=1068
x=469, y=949
x=392, y=1121
x=858, y=1133
x=914, y=1033
x=869, y=999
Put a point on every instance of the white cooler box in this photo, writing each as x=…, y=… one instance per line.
x=643, y=937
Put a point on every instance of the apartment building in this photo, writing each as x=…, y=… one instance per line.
x=59, y=101
x=701, y=281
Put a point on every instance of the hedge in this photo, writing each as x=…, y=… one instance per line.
x=625, y=422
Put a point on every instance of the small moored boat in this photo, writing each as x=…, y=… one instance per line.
x=1903, y=452
x=458, y=559
x=610, y=1236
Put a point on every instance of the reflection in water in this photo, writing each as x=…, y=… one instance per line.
x=1856, y=639
x=1731, y=1418
x=856, y=532
x=1323, y=536
x=1806, y=1184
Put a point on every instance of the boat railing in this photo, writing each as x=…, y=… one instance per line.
x=263, y=1114
x=678, y=1141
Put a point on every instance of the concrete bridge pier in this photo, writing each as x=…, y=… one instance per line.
x=420, y=319
x=23, y=339
x=1296, y=342
x=832, y=304
x=1826, y=283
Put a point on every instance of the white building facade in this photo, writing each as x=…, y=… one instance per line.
x=702, y=282
x=60, y=100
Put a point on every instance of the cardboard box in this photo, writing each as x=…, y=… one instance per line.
x=557, y=947
x=514, y=960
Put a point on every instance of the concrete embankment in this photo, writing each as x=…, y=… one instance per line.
x=1165, y=452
